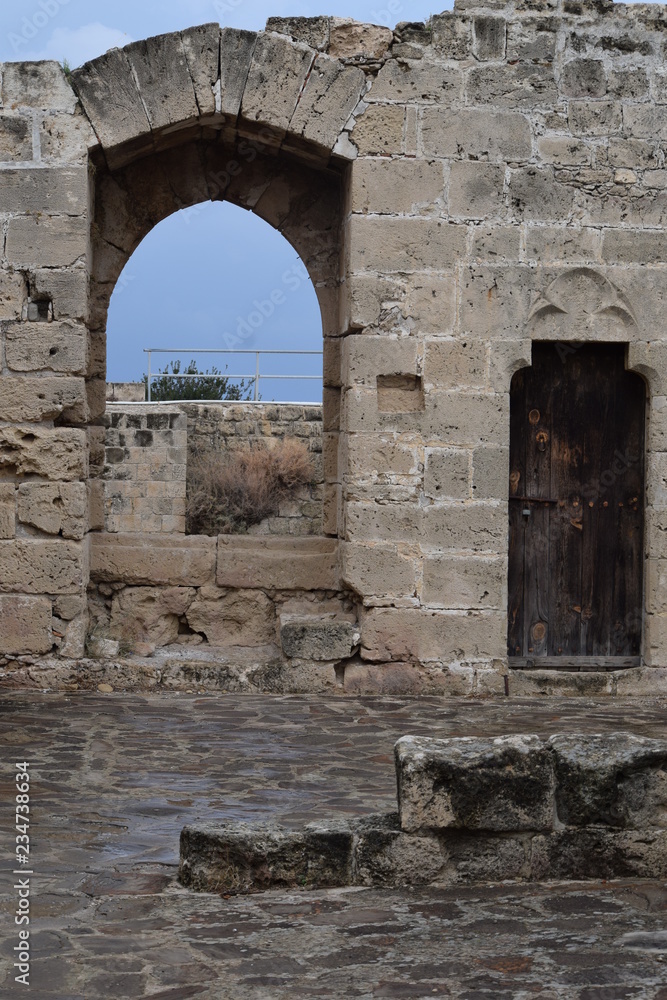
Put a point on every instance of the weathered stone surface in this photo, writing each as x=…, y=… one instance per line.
x=46, y=241
x=15, y=138
x=406, y=678
x=57, y=347
x=276, y=77
x=107, y=90
x=150, y=614
x=201, y=46
x=489, y=37
x=388, y=245
x=385, y=856
x=165, y=84
x=329, y=97
x=7, y=510
x=501, y=784
x=323, y=638
x=58, y=454
x=280, y=563
x=230, y=858
x=13, y=294
x=151, y=561
x=379, y=130
x=476, y=190
x=39, y=85
x=54, y=508
x=390, y=187
x=494, y=134
x=234, y=618
x=616, y=780
x=380, y=570
x=409, y=634
x=25, y=399
x=598, y=853
x=25, y=625
x=314, y=31
x=457, y=582
x=42, y=567
x=423, y=81
x=56, y=190
x=350, y=39
x=236, y=49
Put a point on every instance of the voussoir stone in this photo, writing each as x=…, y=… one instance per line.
x=615, y=779
x=502, y=784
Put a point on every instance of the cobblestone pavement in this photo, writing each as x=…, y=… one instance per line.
x=116, y=777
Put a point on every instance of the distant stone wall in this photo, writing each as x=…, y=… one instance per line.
x=146, y=449
x=145, y=458
x=230, y=426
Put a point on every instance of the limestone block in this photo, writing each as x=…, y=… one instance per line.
x=25, y=625
x=546, y=244
x=350, y=39
x=390, y=187
x=532, y=40
x=376, y=522
x=466, y=418
x=615, y=779
x=40, y=567
x=379, y=130
x=419, y=81
x=564, y=151
x=276, y=77
x=7, y=510
x=595, y=118
x=32, y=398
x=599, y=854
x=489, y=37
x=74, y=644
x=645, y=121
x=238, y=857
x=393, y=679
x=510, y=86
x=494, y=242
x=583, y=78
x=416, y=634
x=479, y=526
x=277, y=563
x=630, y=245
x=456, y=364
x=451, y=35
x=15, y=138
x=236, y=49
x=66, y=138
x=368, y=456
x=67, y=290
x=364, y=358
x=385, y=856
x=57, y=347
x=108, y=92
x=55, y=508
x=490, y=473
x=56, y=454
x=201, y=46
x=150, y=614
x=628, y=83
x=497, y=135
x=535, y=194
x=236, y=618
x=476, y=189
x=329, y=97
x=67, y=607
x=388, y=244
x=504, y=783
x=40, y=85
x=460, y=583
x=631, y=153
x=447, y=474
x=324, y=638
x=430, y=303
x=137, y=559
x=495, y=302
x=165, y=84
x=378, y=570
x=54, y=190
x=46, y=241
x=314, y=31
x=13, y=294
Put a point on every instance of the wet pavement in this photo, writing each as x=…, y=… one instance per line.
x=116, y=777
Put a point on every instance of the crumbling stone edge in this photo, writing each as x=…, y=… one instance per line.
x=518, y=808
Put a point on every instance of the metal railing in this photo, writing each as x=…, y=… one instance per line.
x=256, y=377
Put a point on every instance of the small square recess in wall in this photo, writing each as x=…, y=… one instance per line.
x=400, y=393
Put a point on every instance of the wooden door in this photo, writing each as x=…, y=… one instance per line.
x=576, y=509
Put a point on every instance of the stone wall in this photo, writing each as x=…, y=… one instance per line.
x=147, y=448
x=456, y=190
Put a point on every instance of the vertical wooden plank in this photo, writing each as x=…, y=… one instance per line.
x=515, y=626
x=537, y=431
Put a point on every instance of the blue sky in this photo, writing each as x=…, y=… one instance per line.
x=202, y=278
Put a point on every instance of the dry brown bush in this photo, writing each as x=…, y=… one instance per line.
x=230, y=491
